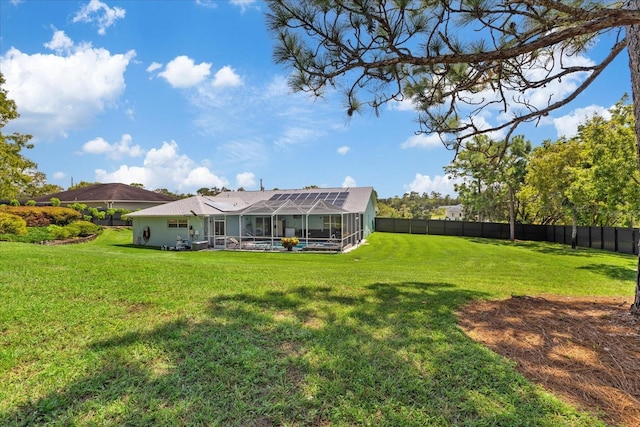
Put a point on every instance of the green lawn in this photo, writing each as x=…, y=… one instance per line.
x=106, y=333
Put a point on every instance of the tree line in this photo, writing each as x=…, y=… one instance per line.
x=591, y=178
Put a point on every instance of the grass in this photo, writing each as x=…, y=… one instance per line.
x=106, y=333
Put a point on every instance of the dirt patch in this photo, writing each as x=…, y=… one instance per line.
x=584, y=350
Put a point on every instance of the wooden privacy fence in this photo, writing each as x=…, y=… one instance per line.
x=615, y=239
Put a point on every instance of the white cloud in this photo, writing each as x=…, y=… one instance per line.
x=59, y=175
x=56, y=93
x=100, y=13
x=422, y=141
x=60, y=43
x=250, y=152
x=349, y=182
x=182, y=72
x=212, y=4
x=114, y=151
x=424, y=184
x=202, y=177
x=568, y=125
x=344, y=149
x=243, y=4
x=297, y=135
x=164, y=167
x=226, y=77
x=494, y=112
x=153, y=67
x=245, y=180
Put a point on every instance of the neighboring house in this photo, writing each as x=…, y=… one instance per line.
x=333, y=217
x=109, y=196
x=453, y=213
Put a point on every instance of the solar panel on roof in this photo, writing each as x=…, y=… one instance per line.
x=274, y=197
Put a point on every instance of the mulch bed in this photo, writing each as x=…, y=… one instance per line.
x=584, y=350
x=71, y=241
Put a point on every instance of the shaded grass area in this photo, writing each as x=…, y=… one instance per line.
x=110, y=334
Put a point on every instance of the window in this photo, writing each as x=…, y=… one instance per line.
x=263, y=226
x=178, y=223
x=332, y=222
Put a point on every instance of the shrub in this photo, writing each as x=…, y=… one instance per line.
x=289, y=242
x=12, y=224
x=82, y=229
x=30, y=203
x=80, y=207
x=14, y=202
x=39, y=216
x=57, y=232
x=55, y=201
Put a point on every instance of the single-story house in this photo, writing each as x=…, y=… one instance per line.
x=109, y=196
x=321, y=218
x=453, y=212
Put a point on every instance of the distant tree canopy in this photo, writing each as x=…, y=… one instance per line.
x=415, y=205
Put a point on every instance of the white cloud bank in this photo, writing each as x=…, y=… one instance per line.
x=246, y=180
x=164, y=167
x=64, y=90
x=425, y=184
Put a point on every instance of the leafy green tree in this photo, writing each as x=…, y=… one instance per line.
x=39, y=186
x=82, y=184
x=493, y=172
x=591, y=179
x=558, y=183
x=453, y=60
x=16, y=172
x=613, y=166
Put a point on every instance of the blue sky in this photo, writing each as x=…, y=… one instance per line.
x=184, y=94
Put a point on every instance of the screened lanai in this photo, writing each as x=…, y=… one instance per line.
x=316, y=223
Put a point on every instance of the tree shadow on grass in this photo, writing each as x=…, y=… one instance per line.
x=541, y=247
x=386, y=354
x=617, y=272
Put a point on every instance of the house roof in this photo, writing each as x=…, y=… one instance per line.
x=317, y=200
x=115, y=192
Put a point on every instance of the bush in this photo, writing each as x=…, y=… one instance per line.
x=12, y=224
x=40, y=216
x=14, y=202
x=58, y=233
x=55, y=201
x=82, y=229
x=30, y=203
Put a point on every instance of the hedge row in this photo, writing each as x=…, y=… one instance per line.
x=41, y=216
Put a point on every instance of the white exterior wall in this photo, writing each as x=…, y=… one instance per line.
x=161, y=234
x=368, y=220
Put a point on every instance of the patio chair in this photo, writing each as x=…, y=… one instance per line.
x=234, y=243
